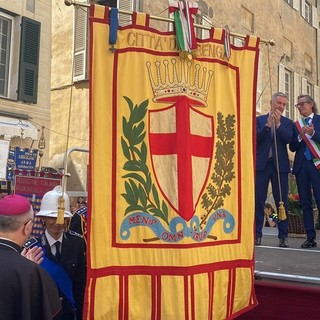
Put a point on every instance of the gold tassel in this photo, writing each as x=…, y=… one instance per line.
x=282, y=212
x=60, y=217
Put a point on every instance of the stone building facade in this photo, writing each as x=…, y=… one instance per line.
x=291, y=65
x=25, y=72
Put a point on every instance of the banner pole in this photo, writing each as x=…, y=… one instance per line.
x=237, y=35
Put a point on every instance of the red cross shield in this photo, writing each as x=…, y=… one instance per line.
x=181, y=146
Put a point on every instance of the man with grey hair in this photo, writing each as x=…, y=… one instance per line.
x=26, y=290
x=306, y=163
x=274, y=133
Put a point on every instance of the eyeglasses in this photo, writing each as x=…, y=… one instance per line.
x=300, y=104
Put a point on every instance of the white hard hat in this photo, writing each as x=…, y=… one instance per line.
x=50, y=203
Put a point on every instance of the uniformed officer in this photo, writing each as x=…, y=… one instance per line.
x=64, y=254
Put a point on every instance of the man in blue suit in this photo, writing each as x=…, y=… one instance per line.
x=272, y=163
x=307, y=163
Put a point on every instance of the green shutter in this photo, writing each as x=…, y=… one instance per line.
x=29, y=60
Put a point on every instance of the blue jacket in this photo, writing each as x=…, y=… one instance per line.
x=284, y=135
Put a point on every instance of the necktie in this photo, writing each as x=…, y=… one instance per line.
x=58, y=253
x=307, y=152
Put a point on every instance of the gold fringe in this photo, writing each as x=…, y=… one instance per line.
x=282, y=212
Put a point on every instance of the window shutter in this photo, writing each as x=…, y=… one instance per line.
x=126, y=5
x=205, y=34
x=296, y=5
x=315, y=19
x=29, y=60
x=303, y=8
x=238, y=42
x=80, y=44
x=281, y=78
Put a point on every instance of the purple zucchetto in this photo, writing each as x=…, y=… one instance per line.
x=14, y=205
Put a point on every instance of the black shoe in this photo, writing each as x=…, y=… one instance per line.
x=258, y=241
x=283, y=243
x=309, y=243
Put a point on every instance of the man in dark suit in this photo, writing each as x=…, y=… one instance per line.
x=307, y=163
x=64, y=254
x=26, y=290
x=272, y=163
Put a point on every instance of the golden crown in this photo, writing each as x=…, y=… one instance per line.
x=188, y=84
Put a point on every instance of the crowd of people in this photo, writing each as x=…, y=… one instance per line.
x=275, y=133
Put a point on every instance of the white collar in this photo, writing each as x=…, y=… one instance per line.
x=51, y=240
x=310, y=116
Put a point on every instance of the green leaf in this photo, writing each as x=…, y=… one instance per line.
x=219, y=203
x=137, y=130
x=126, y=128
x=125, y=149
x=144, y=151
x=155, y=196
x=165, y=210
x=158, y=213
x=206, y=202
x=135, y=176
x=129, y=192
x=133, y=208
x=135, y=190
x=143, y=197
x=129, y=199
x=148, y=183
x=139, y=139
x=130, y=103
x=134, y=116
x=133, y=165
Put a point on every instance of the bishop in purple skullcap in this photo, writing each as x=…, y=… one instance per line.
x=14, y=205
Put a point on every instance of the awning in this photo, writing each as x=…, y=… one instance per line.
x=12, y=127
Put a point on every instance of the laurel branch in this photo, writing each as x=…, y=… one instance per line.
x=140, y=192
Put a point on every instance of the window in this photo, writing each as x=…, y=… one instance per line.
x=295, y=4
x=126, y=5
x=5, y=46
x=80, y=66
x=204, y=21
x=19, y=57
x=309, y=89
x=289, y=112
x=307, y=12
x=286, y=86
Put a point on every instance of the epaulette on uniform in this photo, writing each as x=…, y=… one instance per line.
x=73, y=233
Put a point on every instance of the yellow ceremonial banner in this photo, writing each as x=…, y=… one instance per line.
x=171, y=233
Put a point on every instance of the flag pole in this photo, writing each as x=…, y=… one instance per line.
x=236, y=35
